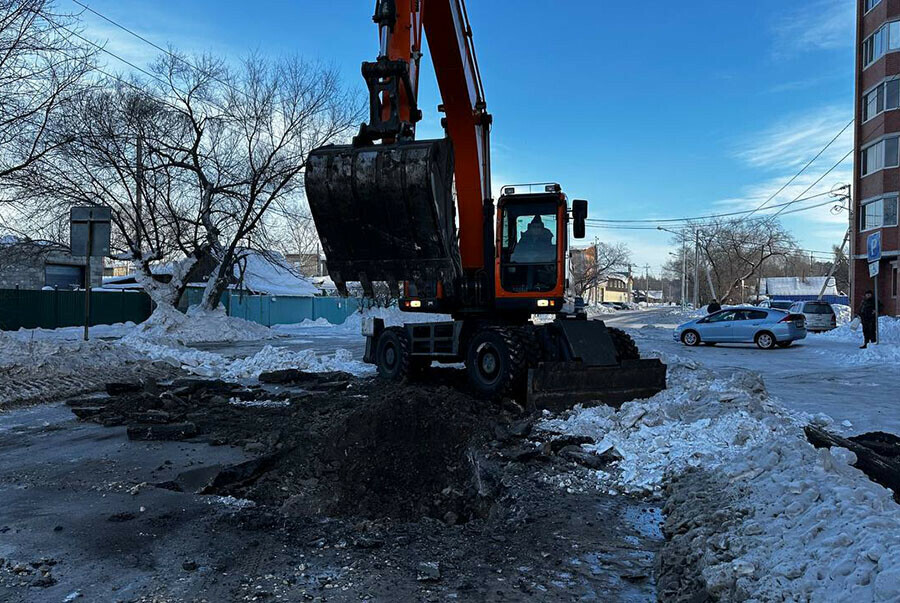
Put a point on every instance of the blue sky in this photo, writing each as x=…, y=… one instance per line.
x=651, y=109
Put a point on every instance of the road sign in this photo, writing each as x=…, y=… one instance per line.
x=89, y=229
x=90, y=224
x=873, y=269
x=873, y=247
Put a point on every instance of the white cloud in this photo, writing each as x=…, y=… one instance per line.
x=793, y=141
x=820, y=25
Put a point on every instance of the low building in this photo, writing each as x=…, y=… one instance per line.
x=617, y=287
x=307, y=264
x=38, y=265
x=797, y=288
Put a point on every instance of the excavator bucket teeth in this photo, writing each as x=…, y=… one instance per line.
x=597, y=365
x=385, y=212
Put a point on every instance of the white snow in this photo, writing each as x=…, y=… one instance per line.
x=808, y=525
x=197, y=326
x=272, y=275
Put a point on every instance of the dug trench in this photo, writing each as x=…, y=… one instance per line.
x=358, y=489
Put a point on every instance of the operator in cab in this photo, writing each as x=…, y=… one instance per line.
x=535, y=244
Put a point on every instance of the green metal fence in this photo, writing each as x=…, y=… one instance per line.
x=21, y=308
x=278, y=309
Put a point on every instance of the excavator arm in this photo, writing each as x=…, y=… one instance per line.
x=384, y=205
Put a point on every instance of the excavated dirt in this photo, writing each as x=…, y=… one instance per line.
x=325, y=444
x=363, y=490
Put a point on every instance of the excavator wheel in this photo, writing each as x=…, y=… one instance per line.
x=392, y=355
x=496, y=362
x=626, y=349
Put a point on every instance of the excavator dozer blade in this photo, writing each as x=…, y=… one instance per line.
x=385, y=212
x=602, y=367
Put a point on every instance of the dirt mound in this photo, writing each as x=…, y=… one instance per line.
x=325, y=444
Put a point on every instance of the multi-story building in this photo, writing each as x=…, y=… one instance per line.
x=876, y=180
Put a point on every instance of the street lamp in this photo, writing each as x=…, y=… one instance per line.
x=682, y=234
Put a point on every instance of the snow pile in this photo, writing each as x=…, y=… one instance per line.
x=888, y=331
x=842, y=313
x=764, y=515
x=392, y=317
x=46, y=369
x=74, y=333
x=168, y=325
x=269, y=358
x=598, y=310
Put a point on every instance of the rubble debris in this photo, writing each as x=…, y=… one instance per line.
x=884, y=470
x=428, y=571
x=117, y=389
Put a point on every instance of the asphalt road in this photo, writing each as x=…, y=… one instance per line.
x=809, y=376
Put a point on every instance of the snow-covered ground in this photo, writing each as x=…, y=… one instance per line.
x=767, y=516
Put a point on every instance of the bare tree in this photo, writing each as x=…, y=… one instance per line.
x=245, y=137
x=590, y=267
x=737, y=250
x=42, y=66
x=104, y=162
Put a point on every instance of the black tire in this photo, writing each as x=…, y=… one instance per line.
x=784, y=344
x=392, y=355
x=496, y=362
x=626, y=349
x=765, y=340
x=690, y=338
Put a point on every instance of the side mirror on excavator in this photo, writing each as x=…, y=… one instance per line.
x=579, y=215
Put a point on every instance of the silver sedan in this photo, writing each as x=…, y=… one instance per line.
x=766, y=327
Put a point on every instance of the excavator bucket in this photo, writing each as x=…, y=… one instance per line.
x=599, y=366
x=385, y=212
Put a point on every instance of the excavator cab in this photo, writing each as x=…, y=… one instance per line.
x=532, y=246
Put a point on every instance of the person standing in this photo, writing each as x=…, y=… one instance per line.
x=713, y=306
x=868, y=316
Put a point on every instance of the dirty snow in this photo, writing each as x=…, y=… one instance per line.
x=806, y=525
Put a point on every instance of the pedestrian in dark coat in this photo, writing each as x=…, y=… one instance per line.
x=868, y=315
x=713, y=306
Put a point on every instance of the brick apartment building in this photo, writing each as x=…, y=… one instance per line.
x=876, y=181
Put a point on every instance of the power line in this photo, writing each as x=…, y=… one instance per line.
x=822, y=177
x=722, y=215
x=803, y=169
x=161, y=49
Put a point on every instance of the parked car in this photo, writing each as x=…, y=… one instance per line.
x=780, y=304
x=766, y=327
x=819, y=315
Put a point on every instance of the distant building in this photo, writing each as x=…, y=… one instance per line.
x=796, y=288
x=37, y=265
x=308, y=264
x=255, y=273
x=876, y=180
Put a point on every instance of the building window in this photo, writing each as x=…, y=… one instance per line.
x=883, y=97
x=878, y=213
x=887, y=38
x=894, y=282
x=880, y=155
x=870, y=4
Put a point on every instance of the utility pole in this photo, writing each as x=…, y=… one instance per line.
x=646, y=282
x=683, y=268
x=696, y=297
x=138, y=189
x=833, y=265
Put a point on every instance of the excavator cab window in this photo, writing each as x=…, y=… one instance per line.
x=528, y=249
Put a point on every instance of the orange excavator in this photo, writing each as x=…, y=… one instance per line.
x=385, y=212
